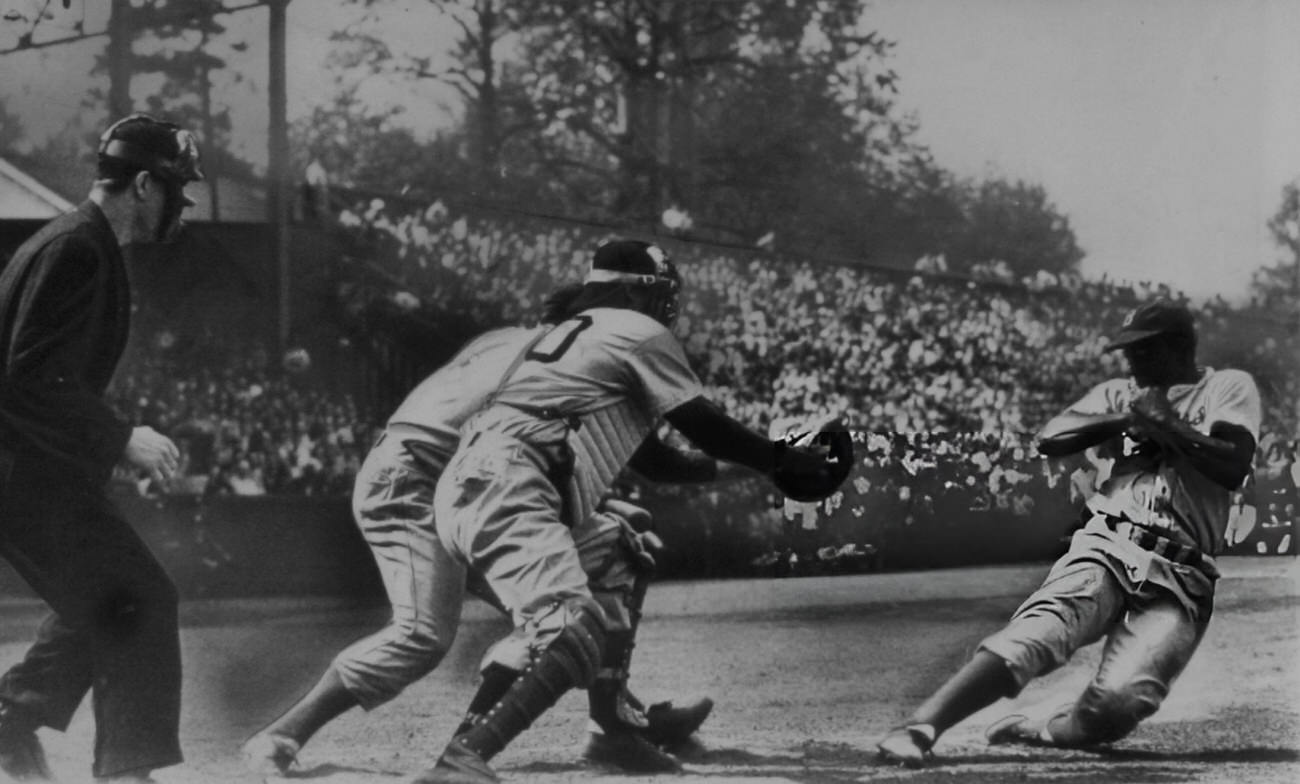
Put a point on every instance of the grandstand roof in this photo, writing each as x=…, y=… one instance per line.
x=44, y=192
x=238, y=201
x=22, y=197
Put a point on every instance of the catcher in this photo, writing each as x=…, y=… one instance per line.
x=392, y=503
x=1141, y=571
x=570, y=412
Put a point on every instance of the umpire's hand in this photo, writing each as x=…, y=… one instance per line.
x=154, y=452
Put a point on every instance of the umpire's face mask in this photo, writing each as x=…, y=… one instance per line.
x=175, y=200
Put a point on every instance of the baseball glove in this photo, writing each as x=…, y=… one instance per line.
x=812, y=465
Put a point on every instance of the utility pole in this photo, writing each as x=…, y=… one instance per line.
x=209, y=129
x=120, y=36
x=277, y=190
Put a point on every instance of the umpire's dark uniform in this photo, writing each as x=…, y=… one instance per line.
x=64, y=314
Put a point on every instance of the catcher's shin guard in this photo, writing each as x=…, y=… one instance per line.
x=497, y=680
x=606, y=701
x=626, y=572
x=569, y=661
x=604, y=698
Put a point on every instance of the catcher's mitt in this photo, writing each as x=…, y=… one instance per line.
x=809, y=480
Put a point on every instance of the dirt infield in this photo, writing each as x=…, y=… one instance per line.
x=807, y=674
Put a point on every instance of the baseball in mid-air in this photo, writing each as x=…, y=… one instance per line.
x=296, y=360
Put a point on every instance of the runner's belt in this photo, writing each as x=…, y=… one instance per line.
x=419, y=442
x=1154, y=542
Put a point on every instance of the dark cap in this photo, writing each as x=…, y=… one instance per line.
x=630, y=261
x=158, y=147
x=1161, y=317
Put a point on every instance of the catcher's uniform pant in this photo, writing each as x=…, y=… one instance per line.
x=497, y=508
x=618, y=560
x=392, y=504
x=1152, y=612
x=114, y=625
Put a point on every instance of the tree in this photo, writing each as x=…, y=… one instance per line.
x=171, y=43
x=692, y=104
x=754, y=117
x=1013, y=222
x=495, y=110
x=367, y=151
x=1277, y=287
x=11, y=129
x=370, y=149
x=63, y=160
x=625, y=108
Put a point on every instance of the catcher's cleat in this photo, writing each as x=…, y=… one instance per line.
x=1018, y=730
x=21, y=754
x=629, y=752
x=671, y=724
x=458, y=765
x=909, y=745
x=269, y=754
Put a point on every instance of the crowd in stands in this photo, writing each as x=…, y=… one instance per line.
x=244, y=424
x=775, y=336
x=961, y=371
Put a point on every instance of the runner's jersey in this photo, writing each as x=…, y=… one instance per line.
x=439, y=405
x=602, y=381
x=1180, y=502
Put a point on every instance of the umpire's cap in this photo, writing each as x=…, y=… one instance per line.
x=156, y=146
x=1161, y=317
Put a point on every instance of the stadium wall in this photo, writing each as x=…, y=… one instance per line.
x=232, y=547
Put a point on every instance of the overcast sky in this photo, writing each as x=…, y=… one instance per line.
x=1164, y=129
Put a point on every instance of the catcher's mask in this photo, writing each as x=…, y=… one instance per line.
x=646, y=268
x=839, y=463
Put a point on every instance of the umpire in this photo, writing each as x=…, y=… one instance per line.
x=65, y=308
